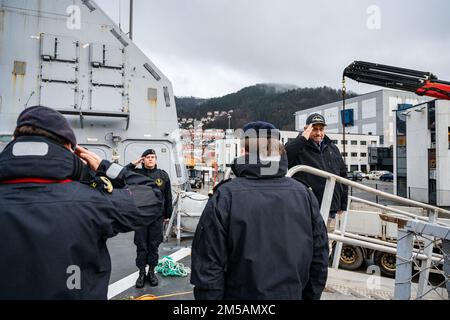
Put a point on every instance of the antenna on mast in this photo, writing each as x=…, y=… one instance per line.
x=120, y=15
x=131, y=20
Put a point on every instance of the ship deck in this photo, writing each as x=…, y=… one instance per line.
x=341, y=284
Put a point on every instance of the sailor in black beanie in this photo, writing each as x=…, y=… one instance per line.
x=147, y=240
x=49, y=120
x=253, y=222
x=53, y=226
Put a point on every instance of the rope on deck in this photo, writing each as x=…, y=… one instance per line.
x=169, y=268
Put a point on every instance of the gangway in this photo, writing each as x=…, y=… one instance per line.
x=432, y=234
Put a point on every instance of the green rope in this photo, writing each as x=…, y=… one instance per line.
x=169, y=268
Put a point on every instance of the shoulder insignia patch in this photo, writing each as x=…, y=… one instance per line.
x=159, y=182
x=107, y=185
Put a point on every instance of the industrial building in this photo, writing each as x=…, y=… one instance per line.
x=368, y=114
x=422, y=152
x=357, y=148
x=227, y=148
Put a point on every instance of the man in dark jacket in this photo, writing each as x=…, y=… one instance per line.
x=56, y=214
x=261, y=235
x=313, y=148
x=148, y=239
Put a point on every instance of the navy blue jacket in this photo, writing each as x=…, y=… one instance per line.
x=328, y=158
x=260, y=236
x=52, y=222
x=162, y=180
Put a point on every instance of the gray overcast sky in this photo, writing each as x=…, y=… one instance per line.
x=210, y=48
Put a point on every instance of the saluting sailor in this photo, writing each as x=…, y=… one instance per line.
x=147, y=240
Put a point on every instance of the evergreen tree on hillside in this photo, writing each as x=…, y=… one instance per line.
x=259, y=102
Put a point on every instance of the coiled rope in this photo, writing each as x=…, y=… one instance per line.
x=169, y=268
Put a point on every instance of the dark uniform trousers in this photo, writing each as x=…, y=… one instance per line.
x=147, y=241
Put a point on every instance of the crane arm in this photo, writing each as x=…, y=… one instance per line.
x=420, y=82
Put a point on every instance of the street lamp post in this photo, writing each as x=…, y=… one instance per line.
x=229, y=113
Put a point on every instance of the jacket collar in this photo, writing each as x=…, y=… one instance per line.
x=150, y=170
x=39, y=157
x=325, y=143
x=253, y=167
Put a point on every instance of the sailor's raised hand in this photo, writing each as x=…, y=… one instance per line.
x=138, y=161
x=307, y=131
x=92, y=159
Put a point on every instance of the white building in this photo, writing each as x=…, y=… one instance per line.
x=422, y=152
x=227, y=150
x=356, y=148
x=370, y=113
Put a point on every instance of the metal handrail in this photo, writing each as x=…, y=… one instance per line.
x=436, y=257
x=343, y=236
x=405, y=247
x=339, y=179
x=380, y=247
x=395, y=210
